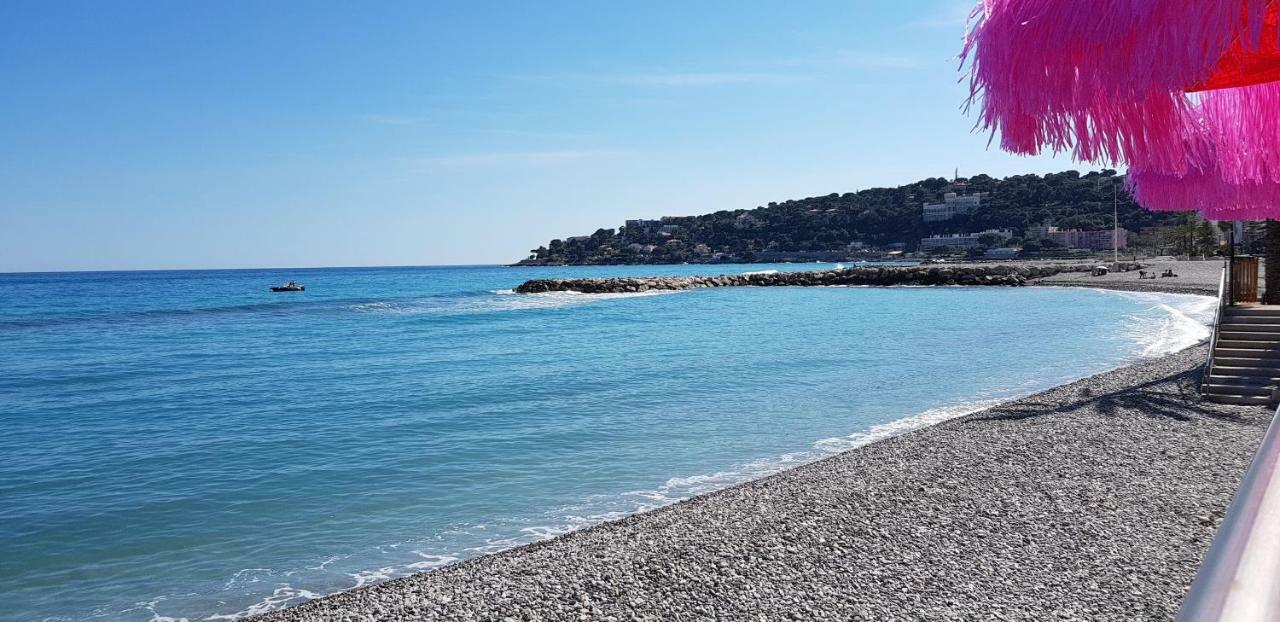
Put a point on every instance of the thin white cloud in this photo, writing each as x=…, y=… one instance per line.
x=501, y=158
x=664, y=79
x=696, y=79
x=875, y=60
x=770, y=72
x=846, y=59
x=538, y=134
x=385, y=119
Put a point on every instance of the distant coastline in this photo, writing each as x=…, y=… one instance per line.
x=759, y=259
x=804, y=258
x=1027, y=216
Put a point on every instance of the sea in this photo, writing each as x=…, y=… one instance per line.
x=186, y=445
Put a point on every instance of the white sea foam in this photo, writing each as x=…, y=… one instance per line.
x=369, y=577
x=1173, y=322
x=426, y=561
x=430, y=562
x=149, y=607
x=580, y=297
x=760, y=272
x=325, y=563
x=499, y=300
x=283, y=596
x=373, y=306
x=925, y=419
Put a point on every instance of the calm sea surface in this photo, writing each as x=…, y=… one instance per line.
x=188, y=445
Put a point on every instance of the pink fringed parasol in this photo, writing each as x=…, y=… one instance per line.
x=1108, y=80
x=1236, y=175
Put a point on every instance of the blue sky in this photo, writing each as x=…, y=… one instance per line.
x=243, y=134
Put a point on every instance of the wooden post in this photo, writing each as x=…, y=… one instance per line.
x=1244, y=280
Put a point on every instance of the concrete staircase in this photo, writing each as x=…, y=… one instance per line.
x=1246, y=356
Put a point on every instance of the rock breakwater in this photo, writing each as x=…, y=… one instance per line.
x=1003, y=275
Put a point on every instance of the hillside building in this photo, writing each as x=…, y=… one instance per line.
x=1099, y=240
x=952, y=205
x=962, y=240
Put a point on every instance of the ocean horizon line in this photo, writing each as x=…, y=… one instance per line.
x=260, y=268
x=409, y=266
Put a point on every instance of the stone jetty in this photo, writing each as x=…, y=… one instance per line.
x=1005, y=275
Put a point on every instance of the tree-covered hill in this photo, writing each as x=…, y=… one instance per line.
x=876, y=218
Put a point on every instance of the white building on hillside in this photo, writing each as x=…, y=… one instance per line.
x=952, y=205
x=962, y=240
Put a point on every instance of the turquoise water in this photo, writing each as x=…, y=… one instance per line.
x=188, y=445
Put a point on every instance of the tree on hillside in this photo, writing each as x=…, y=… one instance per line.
x=990, y=240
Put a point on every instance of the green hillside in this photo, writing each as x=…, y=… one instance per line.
x=877, y=218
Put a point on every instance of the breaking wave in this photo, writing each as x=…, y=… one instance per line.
x=1173, y=322
x=495, y=301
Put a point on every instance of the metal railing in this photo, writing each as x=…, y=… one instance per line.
x=1239, y=580
x=1217, y=321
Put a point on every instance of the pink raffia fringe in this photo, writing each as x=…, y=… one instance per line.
x=1239, y=131
x=1103, y=79
x=1204, y=193
x=1106, y=80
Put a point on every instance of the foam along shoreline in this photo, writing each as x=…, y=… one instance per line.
x=971, y=275
x=1094, y=499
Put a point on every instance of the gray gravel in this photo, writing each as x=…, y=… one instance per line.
x=1194, y=277
x=1091, y=501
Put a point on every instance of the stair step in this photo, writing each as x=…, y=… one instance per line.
x=1234, y=359
x=1265, y=385
x=1267, y=373
x=1233, y=333
x=1228, y=318
x=1241, y=400
x=1249, y=351
x=1231, y=342
x=1246, y=327
x=1235, y=389
x=1271, y=310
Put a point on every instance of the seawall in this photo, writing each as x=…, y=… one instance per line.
x=1002, y=275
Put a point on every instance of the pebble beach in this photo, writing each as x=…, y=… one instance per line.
x=1194, y=277
x=1091, y=501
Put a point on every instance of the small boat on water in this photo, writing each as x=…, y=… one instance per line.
x=289, y=287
